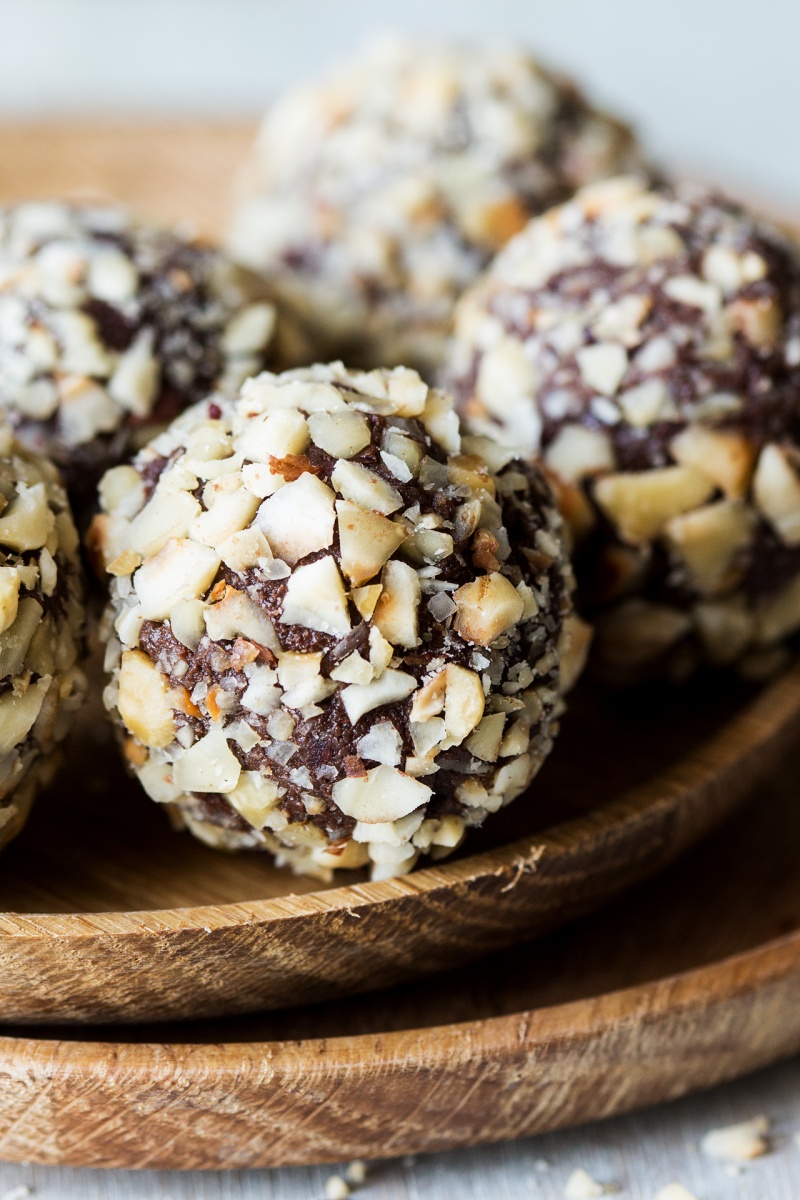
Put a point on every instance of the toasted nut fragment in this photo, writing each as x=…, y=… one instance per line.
x=292, y=466
x=429, y=699
x=234, y=615
x=573, y=646
x=365, y=599
x=709, y=540
x=674, y=1191
x=484, y=743
x=484, y=548
x=581, y=1186
x=244, y=549
x=776, y=489
x=298, y=519
x=577, y=452
x=254, y=798
x=738, y=1143
x=366, y=540
x=9, y=597
x=494, y=224
x=340, y=434
x=638, y=632
x=167, y=515
x=575, y=507
x=603, y=366
x=641, y=502
x=470, y=471
x=365, y=487
x=182, y=570
x=359, y=699
x=758, y=318
x=464, y=702
x=315, y=598
x=125, y=563
x=487, y=607
x=231, y=514
x=383, y=794
x=397, y=611
x=144, y=700
x=778, y=615
x=134, y=752
x=279, y=433
x=28, y=520
x=725, y=457
x=208, y=766
x=18, y=714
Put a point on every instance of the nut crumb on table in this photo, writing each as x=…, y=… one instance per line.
x=738, y=1143
x=581, y=1186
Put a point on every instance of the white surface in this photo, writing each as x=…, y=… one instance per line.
x=713, y=83
x=639, y=1154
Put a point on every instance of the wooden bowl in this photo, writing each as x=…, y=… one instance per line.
x=107, y=915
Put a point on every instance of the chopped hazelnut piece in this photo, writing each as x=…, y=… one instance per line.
x=365, y=488
x=315, y=598
x=641, y=502
x=396, y=613
x=366, y=541
x=488, y=607
x=709, y=541
x=727, y=458
x=298, y=519
x=383, y=794
x=144, y=700
x=776, y=488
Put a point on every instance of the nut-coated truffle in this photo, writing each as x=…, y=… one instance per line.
x=647, y=344
x=372, y=199
x=335, y=632
x=110, y=326
x=41, y=627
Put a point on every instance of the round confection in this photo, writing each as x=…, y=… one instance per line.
x=372, y=199
x=110, y=326
x=335, y=633
x=647, y=344
x=41, y=627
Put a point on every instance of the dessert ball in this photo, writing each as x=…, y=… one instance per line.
x=335, y=633
x=41, y=627
x=647, y=344
x=110, y=326
x=371, y=200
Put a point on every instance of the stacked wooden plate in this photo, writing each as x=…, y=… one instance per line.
x=106, y=916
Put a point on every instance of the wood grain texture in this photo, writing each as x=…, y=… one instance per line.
x=651, y=999
x=177, y=172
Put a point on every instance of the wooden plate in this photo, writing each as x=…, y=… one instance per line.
x=105, y=915
x=686, y=982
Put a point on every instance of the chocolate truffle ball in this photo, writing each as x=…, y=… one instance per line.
x=373, y=199
x=335, y=633
x=41, y=627
x=110, y=326
x=647, y=344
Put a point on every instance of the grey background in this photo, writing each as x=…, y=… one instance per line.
x=715, y=84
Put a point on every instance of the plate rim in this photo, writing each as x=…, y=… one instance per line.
x=772, y=961
x=769, y=714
